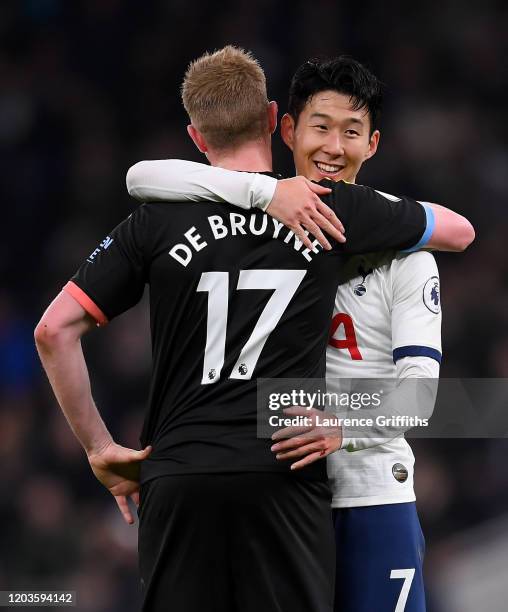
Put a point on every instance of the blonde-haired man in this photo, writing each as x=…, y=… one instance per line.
x=224, y=93
x=234, y=297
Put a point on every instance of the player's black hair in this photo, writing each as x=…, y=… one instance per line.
x=342, y=74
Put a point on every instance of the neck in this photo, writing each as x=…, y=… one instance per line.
x=253, y=156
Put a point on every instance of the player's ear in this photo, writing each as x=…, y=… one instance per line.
x=197, y=138
x=373, y=144
x=273, y=110
x=287, y=130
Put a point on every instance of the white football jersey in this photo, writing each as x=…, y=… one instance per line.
x=386, y=316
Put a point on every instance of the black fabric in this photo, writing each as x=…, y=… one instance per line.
x=195, y=427
x=231, y=542
x=372, y=220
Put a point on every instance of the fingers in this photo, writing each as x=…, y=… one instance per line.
x=329, y=227
x=302, y=236
x=314, y=229
x=330, y=218
x=121, y=500
x=290, y=432
x=300, y=411
x=140, y=455
x=296, y=203
x=314, y=219
x=135, y=498
x=298, y=465
x=302, y=451
x=296, y=442
x=317, y=188
x=327, y=212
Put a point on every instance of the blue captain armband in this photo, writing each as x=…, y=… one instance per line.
x=431, y=222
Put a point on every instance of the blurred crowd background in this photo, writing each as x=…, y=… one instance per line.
x=89, y=88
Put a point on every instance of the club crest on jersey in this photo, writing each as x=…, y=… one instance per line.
x=242, y=369
x=432, y=295
x=361, y=289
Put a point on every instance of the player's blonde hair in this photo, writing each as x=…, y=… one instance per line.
x=224, y=94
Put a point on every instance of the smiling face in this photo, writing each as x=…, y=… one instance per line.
x=330, y=139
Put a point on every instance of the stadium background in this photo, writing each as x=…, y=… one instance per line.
x=87, y=89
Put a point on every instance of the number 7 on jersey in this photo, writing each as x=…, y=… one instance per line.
x=216, y=284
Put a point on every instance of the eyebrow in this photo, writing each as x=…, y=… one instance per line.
x=354, y=120
x=325, y=116
x=319, y=116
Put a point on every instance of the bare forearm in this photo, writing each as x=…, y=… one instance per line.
x=452, y=232
x=66, y=369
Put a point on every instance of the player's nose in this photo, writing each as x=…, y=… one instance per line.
x=333, y=146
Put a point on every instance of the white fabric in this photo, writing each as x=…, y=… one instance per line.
x=389, y=313
x=176, y=180
x=401, y=397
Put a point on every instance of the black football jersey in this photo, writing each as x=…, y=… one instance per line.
x=234, y=296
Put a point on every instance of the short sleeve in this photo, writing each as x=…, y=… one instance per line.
x=112, y=278
x=416, y=307
x=377, y=221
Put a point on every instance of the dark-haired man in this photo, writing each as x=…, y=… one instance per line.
x=389, y=328
x=332, y=120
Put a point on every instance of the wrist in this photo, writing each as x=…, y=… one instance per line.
x=97, y=447
x=262, y=191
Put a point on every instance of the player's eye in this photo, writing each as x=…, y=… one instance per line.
x=321, y=128
x=352, y=132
